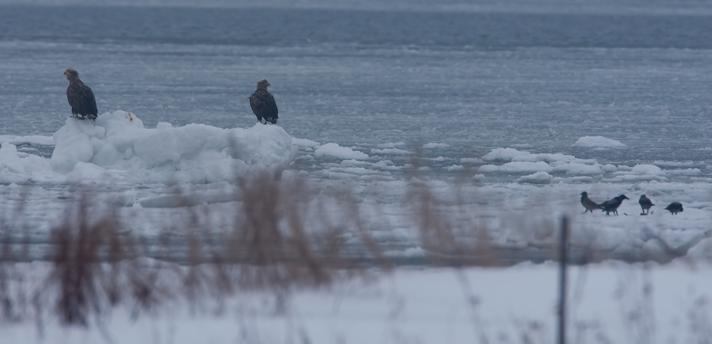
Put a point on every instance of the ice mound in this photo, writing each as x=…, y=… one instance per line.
x=599, y=142
x=118, y=144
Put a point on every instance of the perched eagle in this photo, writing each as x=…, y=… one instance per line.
x=263, y=104
x=80, y=97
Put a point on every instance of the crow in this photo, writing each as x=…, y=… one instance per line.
x=674, y=208
x=80, y=97
x=611, y=205
x=588, y=203
x=645, y=204
x=263, y=104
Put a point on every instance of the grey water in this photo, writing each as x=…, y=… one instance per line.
x=475, y=80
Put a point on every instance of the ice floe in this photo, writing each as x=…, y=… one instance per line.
x=598, y=142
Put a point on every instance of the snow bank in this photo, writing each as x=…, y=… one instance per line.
x=118, y=146
x=598, y=142
x=335, y=151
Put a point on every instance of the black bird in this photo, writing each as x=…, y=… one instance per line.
x=611, y=205
x=588, y=203
x=80, y=97
x=674, y=208
x=645, y=204
x=263, y=104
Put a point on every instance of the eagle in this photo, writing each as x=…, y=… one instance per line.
x=80, y=97
x=263, y=104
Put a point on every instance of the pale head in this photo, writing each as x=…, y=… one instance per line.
x=71, y=74
x=263, y=84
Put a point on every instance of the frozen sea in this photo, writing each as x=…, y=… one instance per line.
x=532, y=104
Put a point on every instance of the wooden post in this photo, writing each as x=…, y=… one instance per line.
x=563, y=264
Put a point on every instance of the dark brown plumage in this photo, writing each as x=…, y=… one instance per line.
x=588, y=203
x=80, y=97
x=645, y=204
x=263, y=104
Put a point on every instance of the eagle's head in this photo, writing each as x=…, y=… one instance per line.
x=262, y=84
x=71, y=74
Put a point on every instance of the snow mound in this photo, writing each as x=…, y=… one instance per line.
x=118, y=146
x=598, y=142
x=335, y=151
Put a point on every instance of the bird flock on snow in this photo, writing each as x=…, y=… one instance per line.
x=611, y=205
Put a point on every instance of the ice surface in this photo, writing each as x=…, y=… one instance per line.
x=599, y=142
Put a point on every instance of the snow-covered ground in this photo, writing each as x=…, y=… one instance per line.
x=608, y=303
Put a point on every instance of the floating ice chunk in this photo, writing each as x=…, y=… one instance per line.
x=434, y=145
x=647, y=169
x=518, y=167
x=394, y=151
x=598, y=142
x=471, y=160
x=508, y=154
x=685, y=171
x=304, y=142
x=576, y=168
x=536, y=178
x=16, y=167
x=339, y=152
x=511, y=154
x=119, y=142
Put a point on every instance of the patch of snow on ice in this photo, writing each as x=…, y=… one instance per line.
x=647, y=169
x=598, y=142
x=394, y=151
x=339, y=152
x=518, y=167
x=434, y=145
x=536, y=178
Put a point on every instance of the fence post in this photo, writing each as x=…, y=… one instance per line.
x=563, y=264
